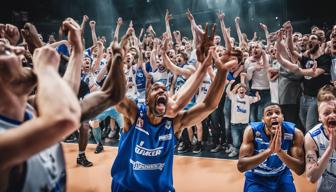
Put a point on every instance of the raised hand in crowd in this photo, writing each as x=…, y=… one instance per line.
x=10, y=32
x=31, y=37
x=205, y=43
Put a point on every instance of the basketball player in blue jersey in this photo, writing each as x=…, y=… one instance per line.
x=146, y=151
x=270, y=149
x=31, y=158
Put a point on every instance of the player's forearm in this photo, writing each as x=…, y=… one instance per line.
x=72, y=73
x=216, y=90
x=188, y=90
x=168, y=31
x=314, y=172
x=115, y=84
x=293, y=163
x=112, y=92
x=248, y=163
x=174, y=68
x=239, y=33
x=94, y=36
x=152, y=60
x=288, y=65
x=226, y=36
x=19, y=144
x=116, y=33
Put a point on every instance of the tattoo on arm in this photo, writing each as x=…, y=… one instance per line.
x=311, y=158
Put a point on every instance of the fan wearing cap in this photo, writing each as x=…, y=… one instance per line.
x=270, y=149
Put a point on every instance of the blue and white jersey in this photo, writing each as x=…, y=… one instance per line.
x=180, y=81
x=333, y=68
x=322, y=142
x=161, y=75
x=145, y=156
x=101, y=65
x=272, y=166
x=131, y=85
x=327, y=181
x=203, y=89
x=85, y=77
x=45, y=170
x=140, y=80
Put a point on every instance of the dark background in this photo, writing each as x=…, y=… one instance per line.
x=47, y=15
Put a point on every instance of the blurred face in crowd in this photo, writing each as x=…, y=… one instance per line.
x=232, y=41
x=220, y=51
x=40, y=37
x=170, y=45
x=333, y=42
x=149, y=39
x=187, y=45
x=272, y=51
x=321, y=34
x=129, y=59
x=147, y=54
x=245, y=56
x=181, y=48
x=296, y=37
x=313, y=44
x=95, y=52
x=217, y=40
x=171, y=54
x=51, y=39
x=305, y=41
x=256, y=50
x=334, y=29
x=109, y=51
x=13, y=75
x=314, y=29
x=159, y=62
x=105, y=53
x=134, y=53
x=86, y=64
x=180, y=59
x=241, y=91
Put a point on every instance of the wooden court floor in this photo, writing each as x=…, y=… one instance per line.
x=191, y=174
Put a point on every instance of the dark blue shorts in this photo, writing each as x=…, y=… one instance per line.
x=116, y=187
x=281, y=183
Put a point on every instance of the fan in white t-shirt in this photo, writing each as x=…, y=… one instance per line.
x=240, y=113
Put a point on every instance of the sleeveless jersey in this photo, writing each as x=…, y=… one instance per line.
x=180, y=80
x=203, y=89
x=145, y=156
x=46, y=169
x=140, y=80
x=161, y=76
x=328, y=179
x=131, y=85
x=272, y=166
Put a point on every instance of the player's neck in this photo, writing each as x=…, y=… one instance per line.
x=268, y=133
x=12, y=106
x=154, y=119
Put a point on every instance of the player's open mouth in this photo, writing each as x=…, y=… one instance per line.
x=332, y=122
x=161, y=102
x=275, y=123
